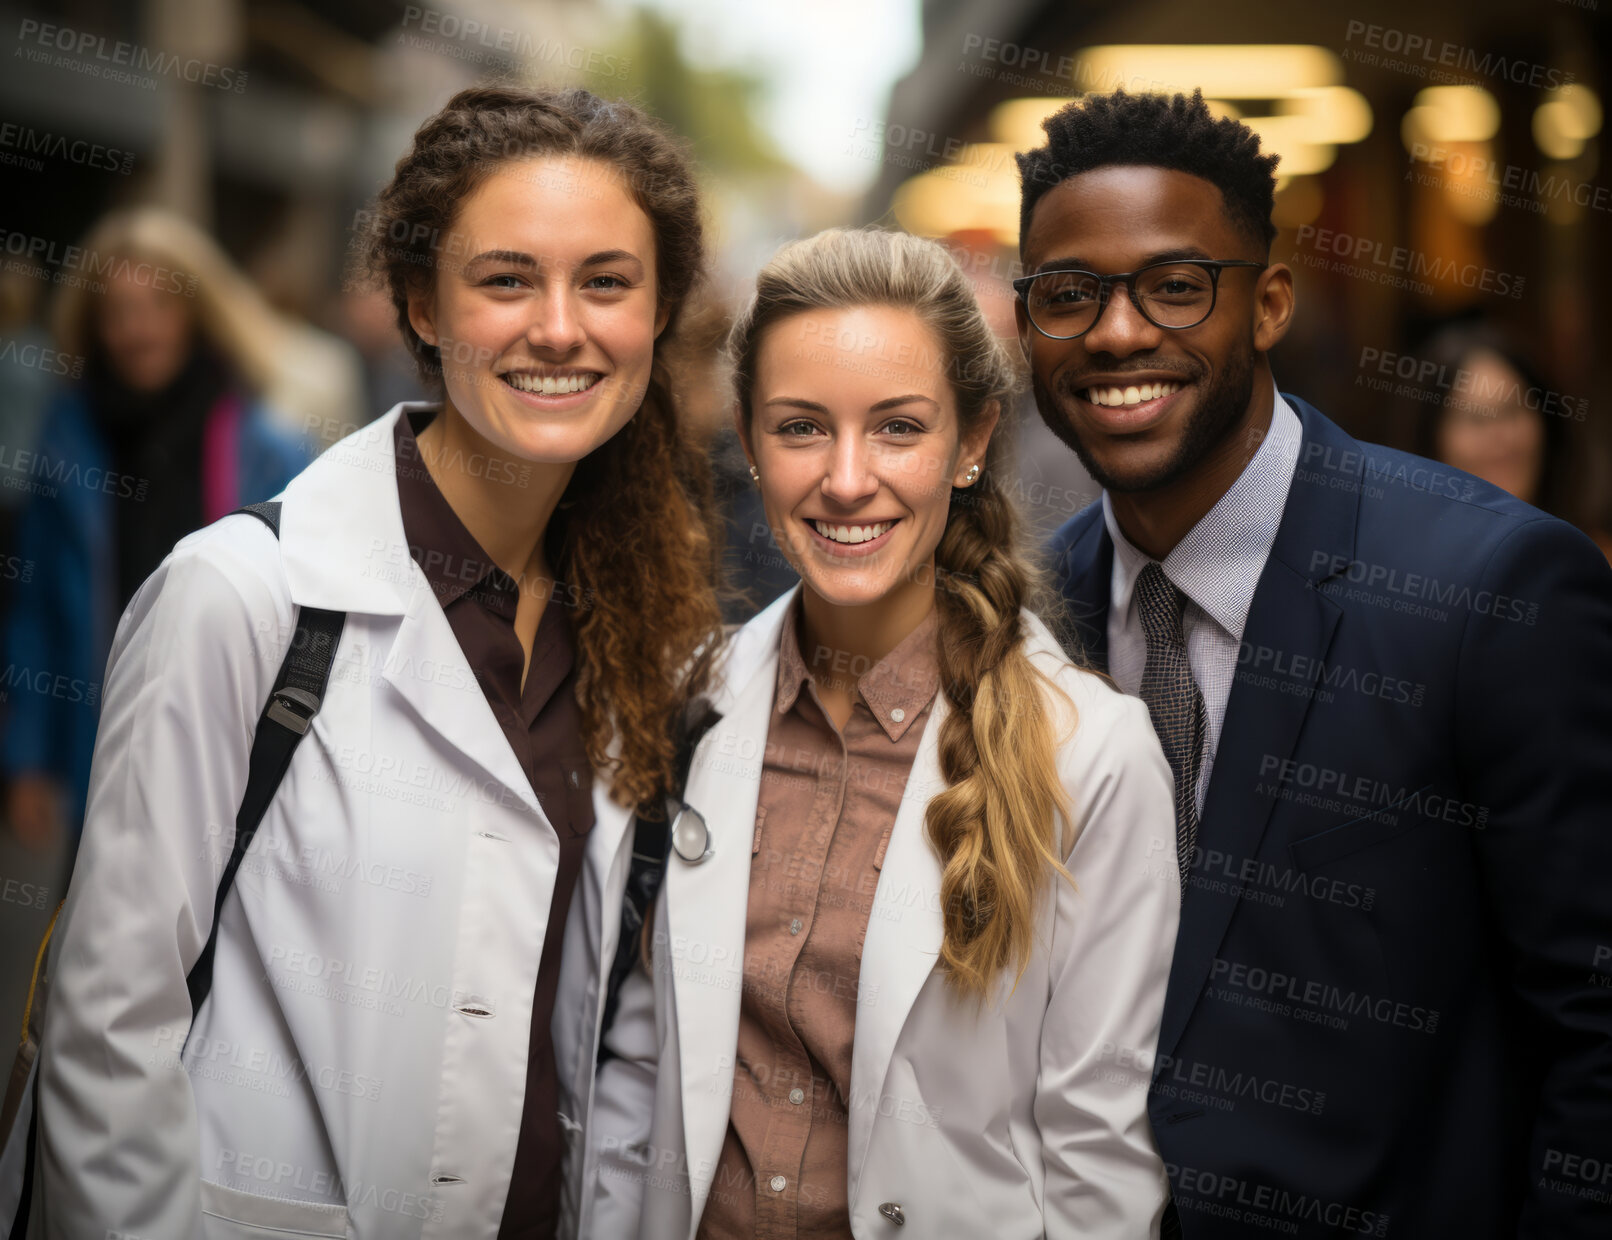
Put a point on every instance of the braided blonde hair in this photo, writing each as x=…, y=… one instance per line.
x=994, y=825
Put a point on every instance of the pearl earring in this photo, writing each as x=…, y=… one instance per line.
x=754, y=476
x=973, y=473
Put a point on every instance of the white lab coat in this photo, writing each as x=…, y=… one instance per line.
x=359, y=1068
x=1023, y=1119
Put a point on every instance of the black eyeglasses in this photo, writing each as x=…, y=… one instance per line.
x=1175, y=294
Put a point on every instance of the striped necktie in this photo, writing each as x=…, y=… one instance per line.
x=1173, y=700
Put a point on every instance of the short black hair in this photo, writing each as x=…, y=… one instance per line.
x=1159, y=131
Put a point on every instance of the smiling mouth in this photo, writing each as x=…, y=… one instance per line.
x=851, y=534
x=1134, y=395
x=550, y=385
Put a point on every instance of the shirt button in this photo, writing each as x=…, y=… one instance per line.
x=898, y=714
x=797, y=1096
x=794, y=926
x=777, y=1183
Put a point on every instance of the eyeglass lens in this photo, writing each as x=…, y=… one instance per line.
x=1177, y=295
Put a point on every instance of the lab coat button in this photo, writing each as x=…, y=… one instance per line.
x=892, y=1211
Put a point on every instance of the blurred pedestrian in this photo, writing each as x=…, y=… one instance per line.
x=164, y=433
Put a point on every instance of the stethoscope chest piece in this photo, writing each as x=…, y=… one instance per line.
x=691, y=839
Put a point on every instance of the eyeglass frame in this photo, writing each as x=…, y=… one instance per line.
x=1105, y=290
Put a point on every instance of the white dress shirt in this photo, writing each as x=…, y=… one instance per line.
x=1217, y=566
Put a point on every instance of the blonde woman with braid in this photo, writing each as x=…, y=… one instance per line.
x=909, y=956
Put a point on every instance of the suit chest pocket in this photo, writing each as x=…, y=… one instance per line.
x=1379, y=826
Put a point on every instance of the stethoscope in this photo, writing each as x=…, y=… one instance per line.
x=691, y=838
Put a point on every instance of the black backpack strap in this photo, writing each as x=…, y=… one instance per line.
x=298, y=691
x=650, y=842
x=267, y=512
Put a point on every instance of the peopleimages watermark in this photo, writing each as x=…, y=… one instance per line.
x=1477, y=176
x=81, y=268
x=23, y=146
x=118, y=61
x=1205, y=1084
x=1398, y=266
x=1425, y=379
x=29, y=895
x=276, y=1179
x=1421, y=588
x=1268, y=667
x=1576, y=1174
x=39, y=473
x=1238, y=1200
x=32, y=355
x=923, y=150
x=1249, y=878
x=1019, y=64
x=1368, y=790
x=479, y=42
x=1323, y=1003
x=1319, y=459
x=1440, y=60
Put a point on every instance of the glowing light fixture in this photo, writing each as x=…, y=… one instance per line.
x=1221, y=70
x=1443, y=114
x=1568, y=119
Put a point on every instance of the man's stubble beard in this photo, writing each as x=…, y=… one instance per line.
x=1224, y=406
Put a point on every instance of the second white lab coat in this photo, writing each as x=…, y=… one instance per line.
x=1024, y=1118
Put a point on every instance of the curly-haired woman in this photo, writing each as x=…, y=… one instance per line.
x=400, y=1035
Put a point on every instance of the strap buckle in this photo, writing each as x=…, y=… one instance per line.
x=293, y=708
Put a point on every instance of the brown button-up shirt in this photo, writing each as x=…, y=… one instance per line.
x=542, y=722
x=827, y=802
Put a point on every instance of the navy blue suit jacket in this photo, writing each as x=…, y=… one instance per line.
x=1390, y=1009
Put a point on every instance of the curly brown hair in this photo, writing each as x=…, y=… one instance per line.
x=636, y=516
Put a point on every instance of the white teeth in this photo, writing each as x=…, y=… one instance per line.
x=852, y=533
x=1130, y=395
x=550, y=385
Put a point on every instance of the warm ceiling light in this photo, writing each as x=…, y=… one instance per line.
x=979, y=192
x=1567, y=119
x=1450, y=114
x=1335, y=114
x=1017, y=123
x=1288, y=136
x=1222, y=70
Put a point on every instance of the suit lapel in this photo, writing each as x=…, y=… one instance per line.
x=1288, y=614
x=1083, y=574
x=902, y=944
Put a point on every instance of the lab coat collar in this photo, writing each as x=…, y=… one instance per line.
x=341, y=526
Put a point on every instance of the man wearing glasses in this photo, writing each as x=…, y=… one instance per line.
x=1385, y=690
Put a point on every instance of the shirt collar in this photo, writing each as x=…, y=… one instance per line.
x=1219, y=562
x=902, y=682
x=448, y=554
